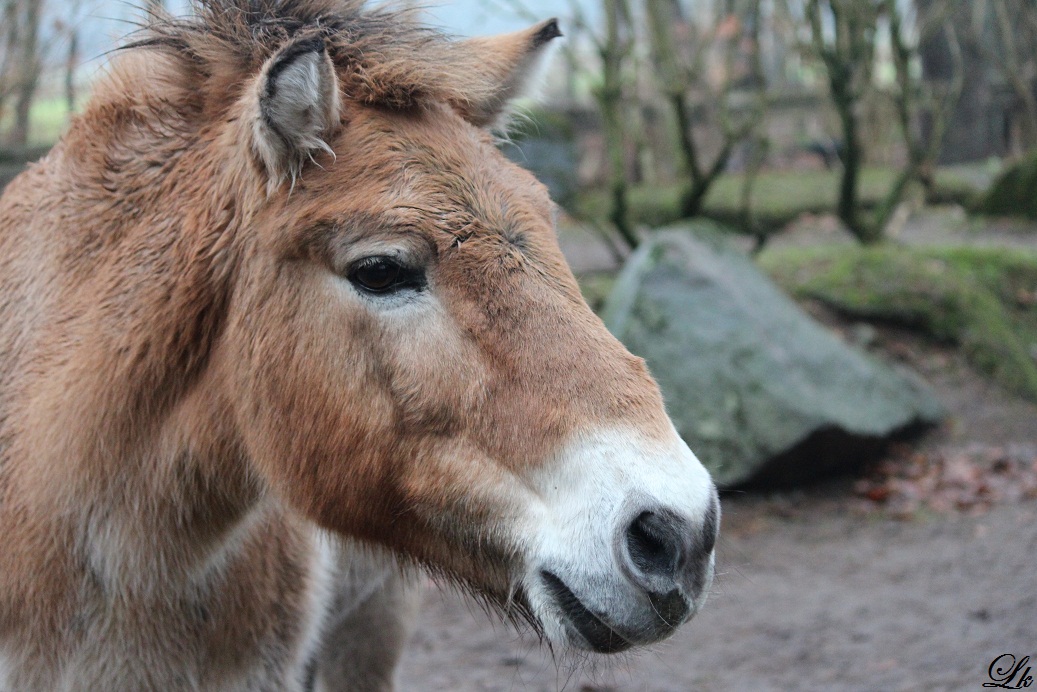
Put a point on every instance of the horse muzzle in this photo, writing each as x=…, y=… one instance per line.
x=666, y=569
x=626, y=551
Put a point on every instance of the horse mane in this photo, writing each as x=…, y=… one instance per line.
x=384, y=57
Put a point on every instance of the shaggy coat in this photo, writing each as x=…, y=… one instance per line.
x=221, y=427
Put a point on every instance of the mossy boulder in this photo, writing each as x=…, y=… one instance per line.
x=1014, y=193
x=983, y=300
x=760, y=391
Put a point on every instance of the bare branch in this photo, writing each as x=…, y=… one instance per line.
x=1019, y=73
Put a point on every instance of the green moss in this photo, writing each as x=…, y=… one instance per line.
x=779, y=197
x=1014, y=193
x=48, y=119
x=652, y=206
x=983, y=300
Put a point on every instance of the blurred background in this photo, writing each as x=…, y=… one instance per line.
x=817, y=221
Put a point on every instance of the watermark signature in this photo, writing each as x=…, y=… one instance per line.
x=1009, y=673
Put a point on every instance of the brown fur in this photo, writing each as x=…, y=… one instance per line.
x=181, y=396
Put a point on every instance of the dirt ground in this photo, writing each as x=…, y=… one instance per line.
x=816, y=589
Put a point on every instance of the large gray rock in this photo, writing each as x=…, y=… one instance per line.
x=760, y=391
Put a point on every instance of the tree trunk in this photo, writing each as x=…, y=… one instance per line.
x=853, y=160
x=9, y=45
x=847, y=57
x=1014, y=68
x=71, y=62
x=610, y=99
x=678, y=80
x=661, y=15
x=924, y=106
x=29, y=66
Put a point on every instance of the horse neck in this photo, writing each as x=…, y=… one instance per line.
x=176, y=502
x=121, y=457
x=129, y=493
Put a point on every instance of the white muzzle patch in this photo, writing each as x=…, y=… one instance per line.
x=620, y=545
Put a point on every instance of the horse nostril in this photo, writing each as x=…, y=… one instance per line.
x=655, y=544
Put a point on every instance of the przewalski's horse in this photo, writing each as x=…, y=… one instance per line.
x=277, y=317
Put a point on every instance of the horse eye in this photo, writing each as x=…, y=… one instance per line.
x=383, y=275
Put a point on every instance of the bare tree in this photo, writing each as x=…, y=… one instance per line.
x=8, y=47
x=1013, y=49
x=26, y=65
x=68, y=25
x=758, y=141
x=686, y=89
x=916, y=100
x=614, y=50
x=842, y=37
x=71, y=64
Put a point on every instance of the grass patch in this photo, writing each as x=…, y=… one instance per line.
x=779, y=197
x=983, y=300
x=48, y=119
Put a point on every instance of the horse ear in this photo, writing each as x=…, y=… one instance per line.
x=298, y=108
x=499, y=68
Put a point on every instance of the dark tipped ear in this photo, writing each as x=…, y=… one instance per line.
x=297, y=107
x=500, y=67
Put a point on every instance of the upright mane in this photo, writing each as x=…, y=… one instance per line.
x=385, y=58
